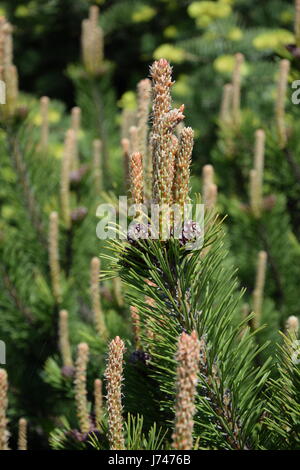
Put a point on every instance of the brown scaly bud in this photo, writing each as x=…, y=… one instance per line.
x=292, y=325
x=226, y=104
x=136, y=178
x=69, y=149
x=53, y=253
x=182, y=166
x=284, y=68
x=187, y=357
x=80, y=387
x=44, y=110
x=98, y=409
x=4, y=434
x=97, y=165
x=258, y=292
x=22, y=435
x=114, y=378
x=96, y=300
x=63, y=338
x=236, y=88
x=136, y=326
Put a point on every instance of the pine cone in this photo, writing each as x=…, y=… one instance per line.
x=67, y=371
x=191, y=231
x=137, y=232
x=139, y=356
x=78, y=214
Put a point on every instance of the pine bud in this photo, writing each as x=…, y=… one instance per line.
x=292, y=325
x=69, y=149
x=117, y=290
x=75, y=125
x=136, y=178
x=11, y=80
x=165, y=122
x=97, y=165
x=207, y=180
x=98, y=401
x=144, y=95
x=22, y=437
x=75, y=118
x=259, y=287
x=284, y=68
x=256, y=176
x=187, y=356
x=133, y=139
x=128, y=119
x=2, y=39
x=63, y=337
x=92, y=43
x=226, y=104
x=9, y=73
x=53, y=253
x=254, y=192
x=259, y=152
x=114, y=378
x=4, y=434
x=210, y=190
x=297, y=22
x=8, y=45
x=80, y=387
x=136, y=326
x=182, y=166
x=96, y=300
x=125, y=147
x=236, y=88
x=44, y=110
